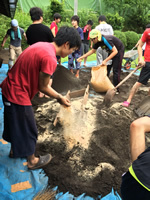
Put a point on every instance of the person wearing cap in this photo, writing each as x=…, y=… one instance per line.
x=15, y=33
x=115, y=50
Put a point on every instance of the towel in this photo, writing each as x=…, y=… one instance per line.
x=84, y=31
x=13, y=34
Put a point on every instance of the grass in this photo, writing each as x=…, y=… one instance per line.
x=90, y=58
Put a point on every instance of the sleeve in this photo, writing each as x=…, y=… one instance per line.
x=49, y=65
x=52, y=26
x=81, y=34
x=144, y=36
x=22, y=31
x=111, y=30
x=8, y=31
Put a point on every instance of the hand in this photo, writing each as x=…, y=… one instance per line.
x=104, y=62
x=79, y=59
x=141, y=63
x=64, y=101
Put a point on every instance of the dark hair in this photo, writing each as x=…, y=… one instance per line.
x=68, y=34
x=148, y=26
x=102, y=18
x=75, y=18
x=36, y=13
x=90, y=22
x=57, y=16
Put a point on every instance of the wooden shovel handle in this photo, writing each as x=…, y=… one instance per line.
x=129, y=75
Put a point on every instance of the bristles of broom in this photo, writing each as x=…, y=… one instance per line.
x=46, y=194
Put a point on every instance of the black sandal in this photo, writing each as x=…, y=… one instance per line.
x=43, y=160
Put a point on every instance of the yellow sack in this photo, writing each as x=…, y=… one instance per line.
x=100, y=81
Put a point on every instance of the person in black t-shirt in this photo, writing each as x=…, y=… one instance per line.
x=115, y=50
x=136, y=181
x=38, y=32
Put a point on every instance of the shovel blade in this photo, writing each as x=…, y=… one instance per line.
x=109, y=96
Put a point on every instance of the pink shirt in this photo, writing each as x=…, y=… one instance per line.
x=22, y=82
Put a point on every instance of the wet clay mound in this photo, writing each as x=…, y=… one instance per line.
x=91, y=145
x=64, y=80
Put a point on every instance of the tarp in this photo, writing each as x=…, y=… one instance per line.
x=19, y=183
x=96, y=5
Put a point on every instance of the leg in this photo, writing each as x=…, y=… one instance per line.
x=85, y=59
x=77, y=55
x=138, y=128
x=70, y=62
x=12, y=56
x=133, y=91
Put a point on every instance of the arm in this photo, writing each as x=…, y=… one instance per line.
x=86, y=55
x=141, y=61
x=114, y=52
x=53, y=31
x=4, y=40
x=24, y=34
x=45, y=88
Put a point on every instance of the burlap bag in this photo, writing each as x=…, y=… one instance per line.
x=100, y=81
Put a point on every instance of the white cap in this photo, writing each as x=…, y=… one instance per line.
x=14, y=23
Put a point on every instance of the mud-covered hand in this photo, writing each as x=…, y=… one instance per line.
x=64, y=101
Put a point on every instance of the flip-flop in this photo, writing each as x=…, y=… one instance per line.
x=43, y=160
x=125, y=103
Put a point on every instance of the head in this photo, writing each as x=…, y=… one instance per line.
x=102, y=18
x=75, y=20
x=147, y=26
x=69, y=39
x=89, y=24
x=14, y=24
x=95, y=36
x=36, y=14
x=57, y=17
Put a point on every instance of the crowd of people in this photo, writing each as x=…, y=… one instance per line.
x=32, y=70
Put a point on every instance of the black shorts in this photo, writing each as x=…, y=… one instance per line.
x=132, y=190
x=145, y=74
x=19, y=128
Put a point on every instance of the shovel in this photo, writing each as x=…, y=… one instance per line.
x=143, y=109
x=111, y=92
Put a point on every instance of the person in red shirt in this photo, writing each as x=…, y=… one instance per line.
x=145, y=72
x=30, y=74
x=54, y=29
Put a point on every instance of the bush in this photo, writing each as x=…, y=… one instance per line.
x=121, y=36
x=116, y=21
x=132, y=38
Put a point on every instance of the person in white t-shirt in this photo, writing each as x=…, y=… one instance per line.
x=105, y=29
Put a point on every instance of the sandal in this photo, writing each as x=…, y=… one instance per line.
x=43, y=160
x=126, y=104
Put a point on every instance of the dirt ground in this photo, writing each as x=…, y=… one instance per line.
x=90, y=145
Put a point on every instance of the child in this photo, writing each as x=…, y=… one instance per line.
x=76, y=54
x=86, y=32
x=54, y=29
x=15, y=33
x=30, y=74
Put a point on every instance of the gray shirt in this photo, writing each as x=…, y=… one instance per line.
x=16, y=42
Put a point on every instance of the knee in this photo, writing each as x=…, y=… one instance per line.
x=134, y=125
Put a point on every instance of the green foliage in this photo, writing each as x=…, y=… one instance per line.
x=116, y=21
x=55, y=7
x=132, y=39
x=121, y=36
x=85, y=15
x=135, y=13
x=5, y=25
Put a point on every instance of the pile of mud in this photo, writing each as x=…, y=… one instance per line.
x=91, y=145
